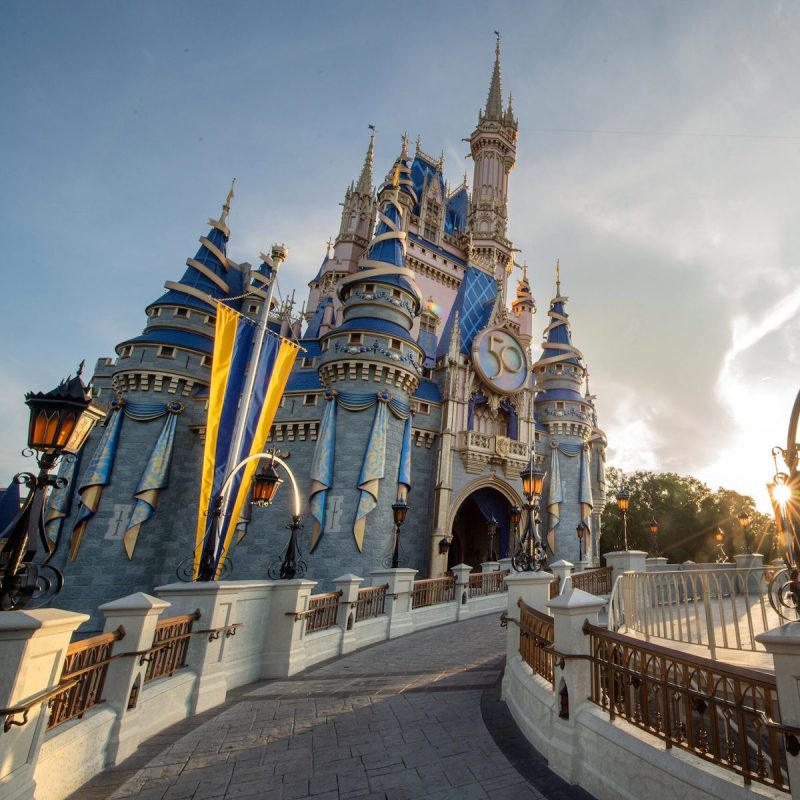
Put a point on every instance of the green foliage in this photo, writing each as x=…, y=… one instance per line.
x=688, y=515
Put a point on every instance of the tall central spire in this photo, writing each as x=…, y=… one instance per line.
x=364, y=185
x=494, y=103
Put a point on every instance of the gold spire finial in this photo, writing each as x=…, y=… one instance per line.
x=227, y=207
x=404, y=151
x=558, y=276
x=497, y=46
x=525, y=270
x=329, y=245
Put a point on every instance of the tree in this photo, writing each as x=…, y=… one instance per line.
x=688, y=513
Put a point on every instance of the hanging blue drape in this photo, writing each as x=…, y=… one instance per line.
x=492, y=504
x=322, y=468
x=513, y=423
x=477, y=399
x=404, y=470
x=372, y=470
x=585, y=489
x=59, y=504
x=9, y=507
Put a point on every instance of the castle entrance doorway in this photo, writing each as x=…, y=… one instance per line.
x=470, y=531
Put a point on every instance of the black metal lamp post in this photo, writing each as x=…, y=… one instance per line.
x=515, y=515
x=652, y=526
x=491, y=529
x=399, y=511
x=530, y=554
x=744, y=522
x=582, y=530
x=60, y=422
x=623, y=500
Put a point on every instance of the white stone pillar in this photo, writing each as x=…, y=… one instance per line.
x=562, y=570
x=656, y=563
x=582, y=565
x=33, y=646
x=138, y=614
x=755, y=563
x=784, y=645
x=490, y=566
x=626, y=561
x=504, y=565
x=398, y=598
x=461, y=594
x=533, y=588
x=570, y=610
x=348, y=585
x=284, y=649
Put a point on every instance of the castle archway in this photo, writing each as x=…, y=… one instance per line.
x=472, y=510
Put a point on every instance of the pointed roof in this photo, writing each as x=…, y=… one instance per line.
x=364, y=185
x=494, y=103
x=557, y=345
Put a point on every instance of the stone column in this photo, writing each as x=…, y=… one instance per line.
x=755, y=563
x=398, y=598
x=490, y=566
x=656, y=563
x=348, y=585
x=784, y=645
x=532, y=588
x=582, y=565
x=505, y=565
x=562, y=570
x=33, y=646
x=570, y=611
x=626, y=561
x=284, y=650
x=138, y=614
x=461, y=594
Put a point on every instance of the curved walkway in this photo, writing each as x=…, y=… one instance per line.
x=416, y=717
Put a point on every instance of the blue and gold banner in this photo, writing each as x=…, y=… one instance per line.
x=233, y=343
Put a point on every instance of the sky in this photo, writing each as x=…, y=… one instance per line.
x=658, y=159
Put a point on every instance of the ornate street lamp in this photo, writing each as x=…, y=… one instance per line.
x=60, y=422
x=582, y=530
x=530, y=554
x=491, y=529
x=719, y=538
x=744, y=522
x=399, y=512
x=515, y=515
x=265, y=485
x=652, y=526
x=623, y=499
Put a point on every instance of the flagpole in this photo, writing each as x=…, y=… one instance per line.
x=279, y=253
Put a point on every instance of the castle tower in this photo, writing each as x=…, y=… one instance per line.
x=524, y=307
x=568, y=417
x=493, y=147
x=370, y=366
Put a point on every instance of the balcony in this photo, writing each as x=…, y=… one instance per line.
x=481, y=449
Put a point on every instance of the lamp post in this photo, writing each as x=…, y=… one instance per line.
x=515, y=515
x=264, y=488
x=399, y=512
x=744, y=522
x=719, y=538
x=652, y=526
x=530, y=554
x=582, y=530
x=491, y=529
x=623, y=499
x=60, y=423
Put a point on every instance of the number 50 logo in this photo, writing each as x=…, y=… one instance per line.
x=500, y=360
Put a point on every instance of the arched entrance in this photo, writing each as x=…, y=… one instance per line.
x=470, y=544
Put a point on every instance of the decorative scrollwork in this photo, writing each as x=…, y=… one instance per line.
x=185, y=569
x=784, y=594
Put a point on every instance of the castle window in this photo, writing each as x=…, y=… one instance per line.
x=325, y=346
x=310, y=400
x=155, y=312
x=559, y=368
x=308, y=362
x=205, y=361
x=166, y=352
x=395, y=344
x=126, y=351
x=252, y=308
x=395, y=293
x=355, y=338
x=423, y=408
x=559, y=406
x=182, y=312
x=369, y=288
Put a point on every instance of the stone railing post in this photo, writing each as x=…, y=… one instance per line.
x=534, y=589
x=504, y=564
x=784, y=645
x=626, y=561
x=398, y=598
x=750, y=583
x=348, y=585
x=573, y=676
x=461, y=594
x=490, y=566
x=284, y=648
x=33, y=646
x=138, y=614
x=562, y=570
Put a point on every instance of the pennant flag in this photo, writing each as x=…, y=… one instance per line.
x=233, y=343
x=555, y=498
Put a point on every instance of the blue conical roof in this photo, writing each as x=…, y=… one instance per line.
x=558, y=335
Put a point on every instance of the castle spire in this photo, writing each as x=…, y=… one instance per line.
x=494, y=103
x=226, y=208
x=364, y=185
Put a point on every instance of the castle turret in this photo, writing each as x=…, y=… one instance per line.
x=524, y=307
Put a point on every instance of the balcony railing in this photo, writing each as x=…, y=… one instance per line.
x=555, y=587
x=83, y=676
x=322, y=611
x=170, y=646
x=432, y=591
x=593, y=581
x=371, y=602
x=485, y=583
x=724, y=714
x=536, y=634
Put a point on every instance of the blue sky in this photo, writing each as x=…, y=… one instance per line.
x=658, y=159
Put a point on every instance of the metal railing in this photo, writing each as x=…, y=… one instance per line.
x=711, y=607
x=431, y=591
x=724, y=714
x=82, y=678
x=170, y=646
x=593, y=581
x=371, y=602
x=555, y=587
x=485, y=583
x=322, y=611
x=536, y=634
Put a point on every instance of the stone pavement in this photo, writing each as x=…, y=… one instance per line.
x=416, y=717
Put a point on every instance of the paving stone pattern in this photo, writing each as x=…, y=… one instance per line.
x=399, y=720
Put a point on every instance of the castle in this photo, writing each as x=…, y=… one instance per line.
x=415, y=381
